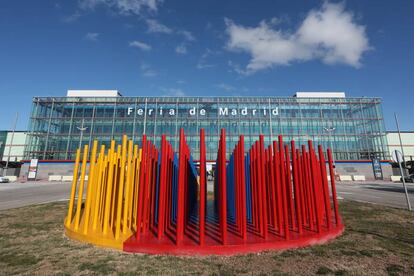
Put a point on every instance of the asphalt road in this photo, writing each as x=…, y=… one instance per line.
x=384, y=193
x=13, y=195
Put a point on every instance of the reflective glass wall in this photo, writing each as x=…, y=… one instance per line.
x=353, y=127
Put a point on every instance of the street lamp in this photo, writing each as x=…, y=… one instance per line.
x=330, y=130
x=82, y=128
x=401, y=143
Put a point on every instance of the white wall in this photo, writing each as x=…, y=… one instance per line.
x=17, y=148
x=407, y=141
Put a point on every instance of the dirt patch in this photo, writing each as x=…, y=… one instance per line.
x=377, y=240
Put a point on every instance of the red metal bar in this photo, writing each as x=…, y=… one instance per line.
x=146, y=188
x=298, y=206
x=283, y=184
x=180, y=195
x=311, y=205
x=251, y=185
x=162, y=187
x=223, y=205
x=307, y=185
x=235, y=174
x=171, y=175
x=202, y=214
x=314, y=186
x=300, y=186
x=243, y=189
x=141, y=186
x=269, y=173
x=273, y=186
x=269, y=187
x=150, y=191
x=167, y=188
x=319, y=182
x=324, y=177
x=151, y=212
x=239, y=188
x=278, y=187
x=333, y=187
x=266, y=182
x=263, y=186
x=254, y=189
x=240, y=185
x=172, y=169
x=185, y=185
x=259, y=189
x=289, y=188
x=302, y=169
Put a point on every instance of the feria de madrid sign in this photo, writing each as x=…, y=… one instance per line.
x=220, y=111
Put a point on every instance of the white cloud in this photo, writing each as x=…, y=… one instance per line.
x=147, y=71
x=156, y=27
x=141, y=45
x=329, y=34
x=124, y=7
x=187, y=35
x=181, y=49
x=92, y=36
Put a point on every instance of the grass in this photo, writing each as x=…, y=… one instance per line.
x=377, y=240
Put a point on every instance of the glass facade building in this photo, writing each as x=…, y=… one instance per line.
x=353, y=127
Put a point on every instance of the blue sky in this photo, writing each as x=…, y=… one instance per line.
x=196, y=48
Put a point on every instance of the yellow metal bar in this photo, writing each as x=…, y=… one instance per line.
x=128, y=187
x=104, y=188
x=131, y=198
x=134, y=195
x=97, y=200
x=81, y=184
x=131, y=192
x=73, y=190
x=121, y=187
x=115, y=185
x=138, y=186
x=95, y=186
x=91, y=187
x=107, y=208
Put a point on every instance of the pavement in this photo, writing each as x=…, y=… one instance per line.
x=14, y=195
